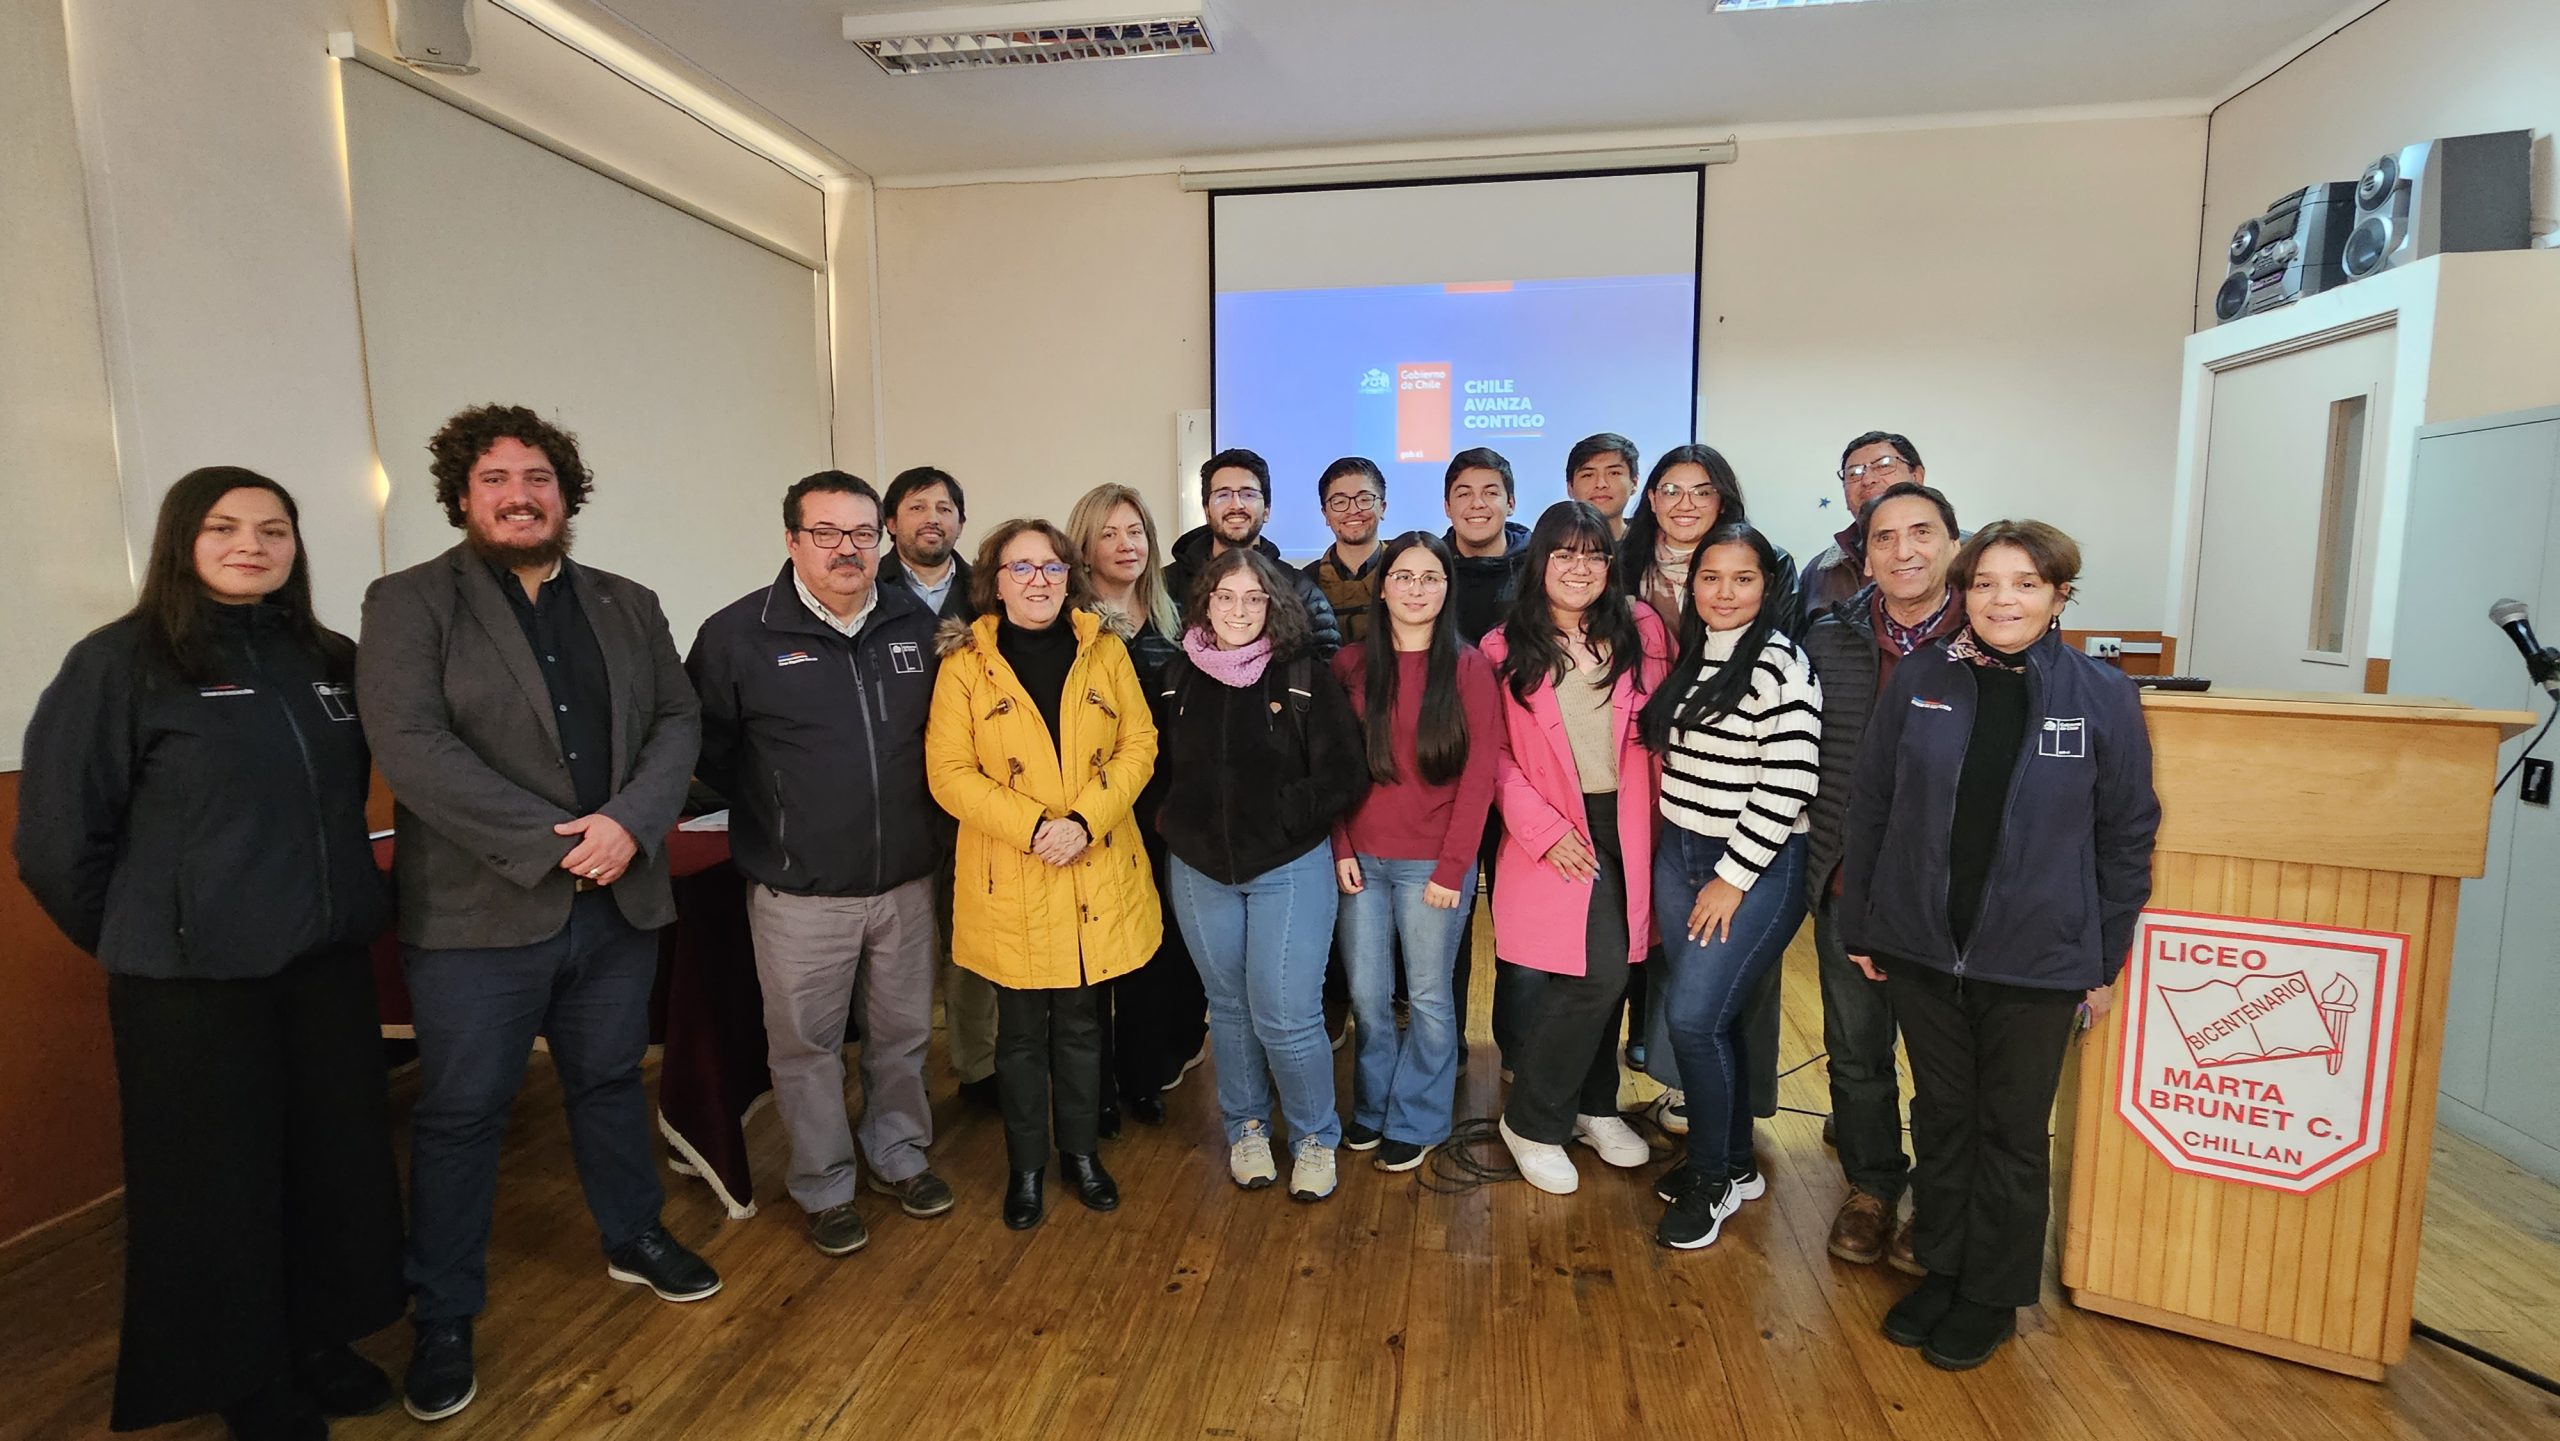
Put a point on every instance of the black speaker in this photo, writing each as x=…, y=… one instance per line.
x=2293, y=250
x=2468, y=192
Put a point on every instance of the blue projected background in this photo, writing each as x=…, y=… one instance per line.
x=1408, y=375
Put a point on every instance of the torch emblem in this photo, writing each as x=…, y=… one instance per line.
x=2337, y=1003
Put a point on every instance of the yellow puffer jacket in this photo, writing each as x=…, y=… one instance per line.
x=1015, y=919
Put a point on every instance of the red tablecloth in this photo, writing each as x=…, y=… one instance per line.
x=707, y=1013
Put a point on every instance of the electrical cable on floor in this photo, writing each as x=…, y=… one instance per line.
x=2528, y=747
x=2490, y=1359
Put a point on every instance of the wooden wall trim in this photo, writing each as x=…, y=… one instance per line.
x=59, y=1127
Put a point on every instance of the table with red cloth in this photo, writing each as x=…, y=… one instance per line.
x=707, y=1014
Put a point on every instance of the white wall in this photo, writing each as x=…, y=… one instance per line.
x=1036, y=340
x=1988, y=291
x=57, y=442
x=2411, y=70
x=210, y=135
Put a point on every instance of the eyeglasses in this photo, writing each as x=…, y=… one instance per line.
x=1027, y=571
x=1887, y=466
x=1250, y=600
x=1704, y=492
x=1235, y=497
x=1355, y=500
x=828, y=537
x=1417, y=579
x=1577, y=560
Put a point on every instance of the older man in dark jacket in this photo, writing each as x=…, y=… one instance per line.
x=539, y=735
x=1909, y=531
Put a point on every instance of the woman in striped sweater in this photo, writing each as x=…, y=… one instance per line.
x=1739, y=726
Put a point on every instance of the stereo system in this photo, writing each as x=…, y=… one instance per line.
x=2296, y=249
x=2463, y=193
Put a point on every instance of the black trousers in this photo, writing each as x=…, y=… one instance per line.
x=1511, y=995
x=1048, y=1065
x=1566, y=1063
x=262, y=1208
x=1986, y=1060
x=1155, y=1018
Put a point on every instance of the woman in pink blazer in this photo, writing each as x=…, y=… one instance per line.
x=1574, y=908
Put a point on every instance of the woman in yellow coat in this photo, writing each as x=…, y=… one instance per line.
x=1039, y=744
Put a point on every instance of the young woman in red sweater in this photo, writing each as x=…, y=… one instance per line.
x=1405, y=856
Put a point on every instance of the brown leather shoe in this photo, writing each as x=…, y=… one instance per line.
x=1900, y=1257
x=1857, y=1233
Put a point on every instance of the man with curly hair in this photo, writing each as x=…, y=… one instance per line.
x=539, y=734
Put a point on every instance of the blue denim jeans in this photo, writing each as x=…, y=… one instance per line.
x=1261, y=949
x=1711, y=980
x=1403, y=1083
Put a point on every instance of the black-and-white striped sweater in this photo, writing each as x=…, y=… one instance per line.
x=1746, y=776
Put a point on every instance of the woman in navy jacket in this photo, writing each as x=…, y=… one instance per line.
x=1998, y=852
x=192, y=814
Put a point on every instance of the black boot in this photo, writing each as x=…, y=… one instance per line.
x=1970, y=1335
x=1146, y=1107
x=1107, y=1125
x=1093, y=1184
x=1919, y=1312
x=341, y=1382
x=440, y=1380
x=1023, y=1205
x=279, y=1412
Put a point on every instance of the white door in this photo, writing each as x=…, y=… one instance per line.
x=2289, y=476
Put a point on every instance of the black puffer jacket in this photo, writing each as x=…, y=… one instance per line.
x=1257, y=773
x=1482, y=586
x=192, y=830
x=1195, y=547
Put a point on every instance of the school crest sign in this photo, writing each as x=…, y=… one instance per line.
x=2260, y=1051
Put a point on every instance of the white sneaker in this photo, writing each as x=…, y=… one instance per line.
x=1546, y=1167
x=1615, y=1140
x=1249, y=1159
x=1310, y=1170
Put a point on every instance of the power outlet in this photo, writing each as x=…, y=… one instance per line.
x=2537, y=782
x=2106, y=647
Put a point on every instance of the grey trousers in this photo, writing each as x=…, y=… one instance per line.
x=968, y=999
x=813, y=954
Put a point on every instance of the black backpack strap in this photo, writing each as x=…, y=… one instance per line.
x=1300, y=683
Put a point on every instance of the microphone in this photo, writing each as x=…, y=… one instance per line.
x=2540, y=661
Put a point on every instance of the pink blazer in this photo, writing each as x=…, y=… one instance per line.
x=1538, y=915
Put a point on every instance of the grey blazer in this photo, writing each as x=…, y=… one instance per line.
x=461, y=726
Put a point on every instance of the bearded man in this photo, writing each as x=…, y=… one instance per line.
x=538, y=734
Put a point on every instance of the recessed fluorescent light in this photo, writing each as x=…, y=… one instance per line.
x=1779, y=4
x=1032, y=32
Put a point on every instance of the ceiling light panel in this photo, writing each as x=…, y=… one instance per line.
x=1779, y=4
x=1037, y=32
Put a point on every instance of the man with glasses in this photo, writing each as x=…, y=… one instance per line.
x=1600, y=471
x=1354, y=496
x=1235, y=493
x=1870, y=465
x=815, y=691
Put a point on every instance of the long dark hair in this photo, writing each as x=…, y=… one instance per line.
x=1440, y=737
x=1537, y=655
x=1685, y=702
x=173, y=606
x=1644, y=529
x=1286, y=622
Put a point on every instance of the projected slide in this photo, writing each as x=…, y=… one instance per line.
x=1409, y=375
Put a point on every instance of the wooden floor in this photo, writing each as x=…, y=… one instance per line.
x=1200, y=1311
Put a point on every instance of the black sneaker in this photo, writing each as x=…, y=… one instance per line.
x=1970, y=1334
x=1361, y=1138
x=658, y=1261
x=1693, y=1221
x=1676, y=1181
x=1749, y=1185
x=1918, y=1313
x=340, y=1382
x=440, y=1380
x=1400, y=1156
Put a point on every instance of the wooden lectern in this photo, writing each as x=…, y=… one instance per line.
x=2247, y=1144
